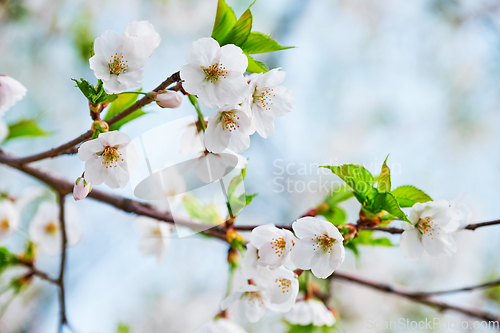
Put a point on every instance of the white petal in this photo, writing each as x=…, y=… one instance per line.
x=233, y=58
x=439, y=245
x=411, y=244
x=204, y=52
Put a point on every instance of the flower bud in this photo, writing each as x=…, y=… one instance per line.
x=168, y=99
x=348, y=231
x=233, y=236
x=98, y=127
x=233, y=258
x=81, y=189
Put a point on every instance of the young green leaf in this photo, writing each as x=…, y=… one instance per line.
x=342, y=193
x=408, y=195
x=259, y=43
x=198, y=211
x=25, y=128
x=365, y=237
x=121, y=103
x=335, y=215
x=384, y=181
x=255, y=66
x=241, y=30
x=386, y=201
x=225, y=19
x=7, y=259
x=123, y=328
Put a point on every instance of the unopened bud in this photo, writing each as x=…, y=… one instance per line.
x=233, y=258
x=95, y=108
x=98, y=127
x=232, y=236
x=168, y=99
x=348, y=231
x=81, y=189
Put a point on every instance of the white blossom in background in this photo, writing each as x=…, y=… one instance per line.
x=4, y=130
x=45, y=228
x=155, y=237
x=320, y=246
x=192, y=139
x=282, y=290
x=10, y=218
x=210, y=167
x=146, y=33
x=11, y=92
x=307, y=312
x=220, y=325
x=461, y=212
x=215, y=73
x=109, y=159
x=228, y=127
x=118, y=61
x=433, y=224
x=251, y=303
x=168, y=99
x=273, y=244
x=268, y=100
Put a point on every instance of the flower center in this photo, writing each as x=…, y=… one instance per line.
x=284, y=284
x=278, y=245
x=157, y=232
x=427, y=227
x=117, y=65
x=215, y=71
x=324, y=242
x=4, y=224
x=255, y=296
x=229, y=121
x=51, y=228
x=263, y=98
x=110, y=157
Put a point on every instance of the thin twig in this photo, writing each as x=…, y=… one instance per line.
x=440, y=306
x=62, y=300
x=68, y=147
x=451, y=291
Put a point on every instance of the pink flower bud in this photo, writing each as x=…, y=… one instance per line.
x=81, y=189
x=168, y=99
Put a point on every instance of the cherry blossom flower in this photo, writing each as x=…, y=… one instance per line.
x=461, y=212
x=307, y=312
x=45, y=228
x=4, y=130
x=320, y=246
x=146, y=33
x=220, y=325
x=273, y=244
x=11, y=92
x=228, y=127
x=210, y=167
x=155, y=238
x=81, y=189
x=169, y=99
x=277, y=294
x=109, y=159
x=433, y=223
x=268, y=100
x=215, y=73
x=192, y=139
x=10, y=218
x=118, y=60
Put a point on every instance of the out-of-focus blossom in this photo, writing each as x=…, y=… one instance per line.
x=307, y=312
x=320, y=246
x=268, y=100
x=109, y=159
x=192, y=139
x=220, y=325
x=228, y=127
x=433, y=224
x=10, y=218
x=215, y=73
x=11, y=91
x=210, y=167
x=155, y=237
x=4, y=130
x=45, y=228
x=169, y=99
x=146, y=33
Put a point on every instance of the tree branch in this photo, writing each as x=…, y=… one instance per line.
x=416, y=297
x=60, y=281
x=67, y=147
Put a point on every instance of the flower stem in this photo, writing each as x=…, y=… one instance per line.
x=194, y=101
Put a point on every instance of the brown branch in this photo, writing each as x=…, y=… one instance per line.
x=415, y=297
x=450, y=291
x=60, y=281
x=67, y=147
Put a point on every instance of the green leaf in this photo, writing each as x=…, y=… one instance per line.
x=341, y=193
x=122, y=328
x=365, y=237
x=408, y=195
x=352, y=246
x=249, y=198
x=241, y=30
x=7, y=259
x=255, y=66
x=258, y=42
x=388, y=202
x=309, y=329
x=25, y=128
x=198, y=211
x=122, y=102
x=95, y=95
x=225, y=19
x=359, y=179
x=335, y=215
x=384, y=181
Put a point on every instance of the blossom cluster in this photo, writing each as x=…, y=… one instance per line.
x=270, y=260
x=11, y=91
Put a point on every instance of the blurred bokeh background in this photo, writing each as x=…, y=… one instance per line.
x=418, y=80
